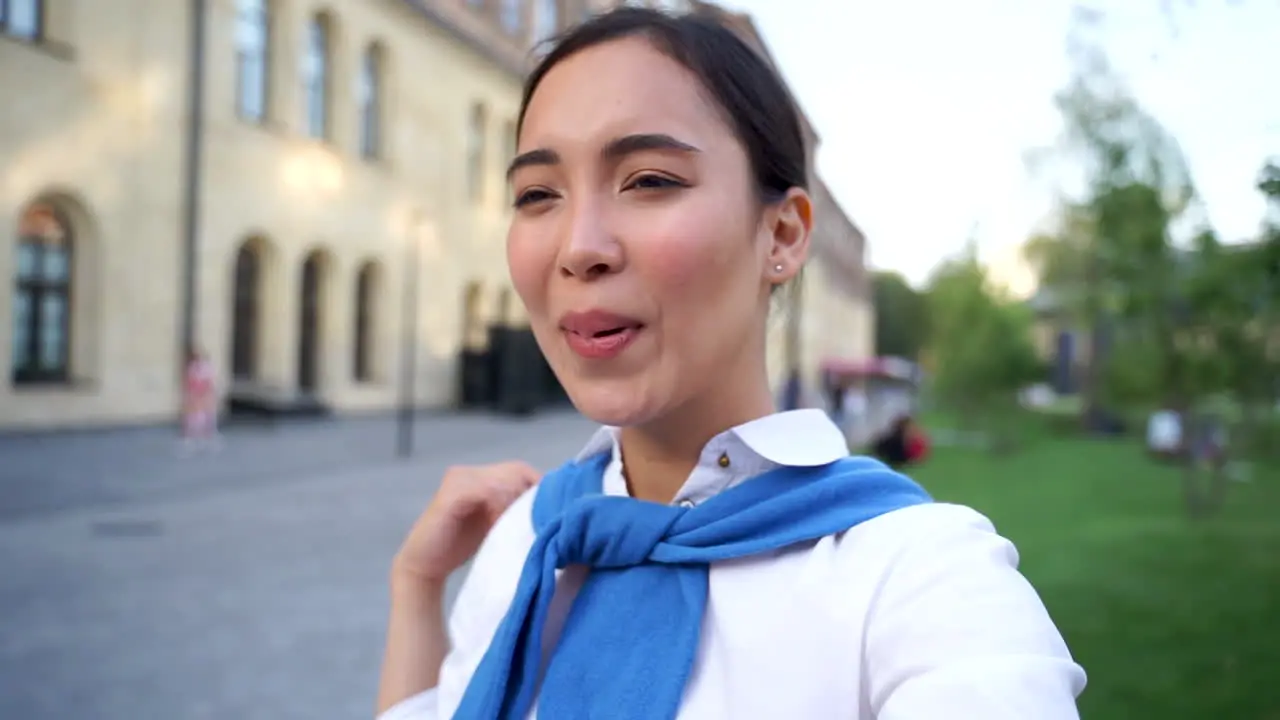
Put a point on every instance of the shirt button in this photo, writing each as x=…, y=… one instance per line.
x=724, y=460
x=686, y=504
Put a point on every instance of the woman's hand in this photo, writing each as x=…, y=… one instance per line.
x=448, y=533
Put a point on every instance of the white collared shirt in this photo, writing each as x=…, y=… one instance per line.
x=919, y=614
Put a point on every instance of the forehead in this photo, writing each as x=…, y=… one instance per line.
x=619, y=87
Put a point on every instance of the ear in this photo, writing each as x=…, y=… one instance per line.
x=789, y=224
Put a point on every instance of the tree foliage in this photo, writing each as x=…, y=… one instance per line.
x=1176, y=317
x=980, y=342
x=902, y=316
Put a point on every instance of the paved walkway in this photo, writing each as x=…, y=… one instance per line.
x=49, y=473
x=262, y=596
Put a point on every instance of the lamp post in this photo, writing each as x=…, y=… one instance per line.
x=409, y=343
x=191, y=182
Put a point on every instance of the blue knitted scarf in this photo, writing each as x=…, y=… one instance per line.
x=629, y=641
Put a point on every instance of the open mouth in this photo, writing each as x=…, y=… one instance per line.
x=615, y=331
x=602, y=344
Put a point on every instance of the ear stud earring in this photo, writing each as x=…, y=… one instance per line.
x=777, y=268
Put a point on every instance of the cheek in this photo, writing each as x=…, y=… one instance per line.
x=702, y=260
x=529, y=261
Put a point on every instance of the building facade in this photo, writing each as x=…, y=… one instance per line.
x=345, y=195
x=827, y=313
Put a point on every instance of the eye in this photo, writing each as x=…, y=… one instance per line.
x=532, y=196
x=653, y=181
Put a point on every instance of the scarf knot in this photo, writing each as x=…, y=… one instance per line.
x=627, y=647
x=610, y=532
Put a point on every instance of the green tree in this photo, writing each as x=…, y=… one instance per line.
x=1167, y=325
x=902, y=316
x=981, y=346
x=1269, y=182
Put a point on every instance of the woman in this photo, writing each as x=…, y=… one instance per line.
x=721, y=560
x=199, y=403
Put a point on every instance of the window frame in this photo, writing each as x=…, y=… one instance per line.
x=37, y=288
x=37, y=31
x=317, y=86
x=371, y=85
x=262, y=23
x=362, y=366
x=477, y=152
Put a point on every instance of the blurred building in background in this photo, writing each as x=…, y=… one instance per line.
x=310, y=192
x=828, y=314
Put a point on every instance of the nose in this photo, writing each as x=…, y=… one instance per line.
x=590, y=251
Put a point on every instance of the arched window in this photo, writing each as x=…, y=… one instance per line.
x=310, y=327
x=41, y=339
x=366, y=315
x=315, y=76
x=246, y=311
x=22, y=19
x=546, y=19
x=371, y=99
x=476, y=152
x=253, y=73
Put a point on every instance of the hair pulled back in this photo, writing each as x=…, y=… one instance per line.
x=752, y=96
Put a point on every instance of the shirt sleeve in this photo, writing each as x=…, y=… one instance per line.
x=957, y=632
x=481, y=604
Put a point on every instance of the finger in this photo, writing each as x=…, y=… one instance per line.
x=529, y=474
x=523, y=472
x=507, y=486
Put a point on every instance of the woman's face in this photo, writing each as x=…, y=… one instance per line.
x=637, y=244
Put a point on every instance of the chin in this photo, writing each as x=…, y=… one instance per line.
x=613, y=402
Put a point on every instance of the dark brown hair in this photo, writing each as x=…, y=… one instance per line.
x=754, y=99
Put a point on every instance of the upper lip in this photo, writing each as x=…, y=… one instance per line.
x=594, y=322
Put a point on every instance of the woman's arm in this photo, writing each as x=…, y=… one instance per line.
x=957, y=632
x=416, y=640
x=428, y=661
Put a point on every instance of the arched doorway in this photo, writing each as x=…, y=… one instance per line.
x=309, y=335
x=246, y=311
x=368, y=282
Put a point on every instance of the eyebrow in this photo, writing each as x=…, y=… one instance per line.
x=615, y=150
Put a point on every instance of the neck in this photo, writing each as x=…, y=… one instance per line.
x=658, y=456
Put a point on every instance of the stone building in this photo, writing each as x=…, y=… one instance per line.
x=828, y=314
x=297, y=193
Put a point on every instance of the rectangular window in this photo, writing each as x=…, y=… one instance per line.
x=252, y=52
x=22, y=18
x=22, y=320
x=476, y=153
x=53, y=321
x=509, y=133
x=370, y=98
x=546, y=19
x=315, y=70
x=511, y=20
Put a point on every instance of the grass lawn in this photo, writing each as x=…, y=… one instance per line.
x=1172, y=619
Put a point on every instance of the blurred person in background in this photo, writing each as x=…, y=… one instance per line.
x=199, y=403
x=705, y=556
x=904, y=443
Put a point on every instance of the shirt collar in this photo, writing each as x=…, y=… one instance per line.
x=796, y=438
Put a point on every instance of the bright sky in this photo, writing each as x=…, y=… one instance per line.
x=927, y=109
